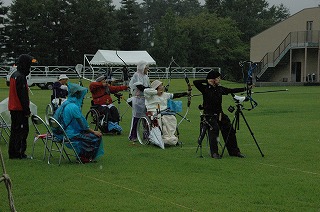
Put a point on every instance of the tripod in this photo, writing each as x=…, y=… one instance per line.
x=235, y=122
x=204, y=127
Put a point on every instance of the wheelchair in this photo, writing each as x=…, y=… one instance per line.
x=50, y=109
x=98, y=120
x=147, y=122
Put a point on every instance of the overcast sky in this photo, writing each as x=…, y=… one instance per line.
x=293, y=5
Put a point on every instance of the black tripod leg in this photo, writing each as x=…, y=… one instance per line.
x=200, y=147
x=203, y=130
x=235, y=122
x=252, y=134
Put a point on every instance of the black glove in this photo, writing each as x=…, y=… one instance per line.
x=178, y=95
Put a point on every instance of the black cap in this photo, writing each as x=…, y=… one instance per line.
x=213, y=74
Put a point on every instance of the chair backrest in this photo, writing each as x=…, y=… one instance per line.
x=4, y=128
x=3, y=123
x=49, y=112
x=57, y=128
x=37, y=122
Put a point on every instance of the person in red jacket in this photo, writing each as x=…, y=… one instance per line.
x=101, y=94
x=19, y=107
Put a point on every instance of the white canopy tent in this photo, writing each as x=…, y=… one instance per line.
x=113, y=57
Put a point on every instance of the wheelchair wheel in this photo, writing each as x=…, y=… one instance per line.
x=92, y=118
x=143, y=130
x=49, y=112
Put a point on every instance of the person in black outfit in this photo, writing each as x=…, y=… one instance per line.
x=125, y=75
x=212, y=109
x=19, y=107
x=59, y=91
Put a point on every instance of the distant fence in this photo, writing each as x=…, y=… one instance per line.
x=115, y=72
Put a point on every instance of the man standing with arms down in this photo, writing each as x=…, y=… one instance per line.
x=19, y=107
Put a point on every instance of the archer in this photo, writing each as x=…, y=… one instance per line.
x=215, y=119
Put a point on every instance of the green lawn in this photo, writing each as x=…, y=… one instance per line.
x=145, y=178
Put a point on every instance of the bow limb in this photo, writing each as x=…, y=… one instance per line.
x=189, y=95
x=249, y=83
x=189, y=89
x=121, y=59
x=125, y=64
x=169, y=68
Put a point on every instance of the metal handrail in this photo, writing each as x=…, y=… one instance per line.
x=298, y=39
x=154, y=72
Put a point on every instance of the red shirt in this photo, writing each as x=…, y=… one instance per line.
x=101, y=93
x=19, y=93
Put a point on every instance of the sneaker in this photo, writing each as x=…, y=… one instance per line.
x=216, y=156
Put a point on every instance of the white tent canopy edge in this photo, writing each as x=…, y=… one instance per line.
x=113, y=57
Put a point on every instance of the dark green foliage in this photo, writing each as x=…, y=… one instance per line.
x=129, y=26
x=251, y=16
x=59, y=32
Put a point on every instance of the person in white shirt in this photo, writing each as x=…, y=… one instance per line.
x=156, y=100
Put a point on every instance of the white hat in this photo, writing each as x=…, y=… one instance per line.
x=155, y=84
x=102, y=77
x=141, y=66
x=63, y=76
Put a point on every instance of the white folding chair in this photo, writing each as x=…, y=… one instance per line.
x=4, y=129
x=61, y=138
x=45, y=136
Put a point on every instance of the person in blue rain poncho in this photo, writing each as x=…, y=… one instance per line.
x=87, y=142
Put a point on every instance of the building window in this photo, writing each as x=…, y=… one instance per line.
x=309, y=25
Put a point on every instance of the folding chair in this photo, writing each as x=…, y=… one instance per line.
x=60, y=137
x=4, y=129
x=49, y=112
x=39, y=125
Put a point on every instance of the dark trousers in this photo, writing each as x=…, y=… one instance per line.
x=111, y=114
x=227, y=131
x=19, y=134
x=133, y=132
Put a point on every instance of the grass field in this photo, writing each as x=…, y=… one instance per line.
x=145, y=178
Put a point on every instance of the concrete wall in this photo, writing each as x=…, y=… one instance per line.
x=270, y=39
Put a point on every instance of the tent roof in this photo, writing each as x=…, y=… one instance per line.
x=111, y=57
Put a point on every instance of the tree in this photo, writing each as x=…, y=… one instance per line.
x=93, y=26
x=154, y=10
x=59, y=32
x=129, y=25
x=251, y=16
x=213, y=6
x=202, y=40
x=3, y=34
x=214, y=41
x=170, y=41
